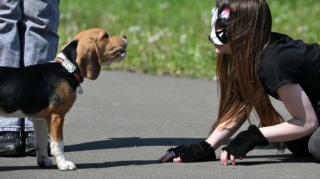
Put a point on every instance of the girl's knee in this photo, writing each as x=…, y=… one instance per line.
x=314, y=146
x=299, y=147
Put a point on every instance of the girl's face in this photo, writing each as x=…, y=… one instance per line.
x=218, y=35
x=222, y=49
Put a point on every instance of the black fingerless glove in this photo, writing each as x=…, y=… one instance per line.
x=195, y=152
x=246, y=141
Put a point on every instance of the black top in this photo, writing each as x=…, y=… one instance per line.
x=288, y=61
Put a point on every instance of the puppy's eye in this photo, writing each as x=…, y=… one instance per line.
x=106, y=36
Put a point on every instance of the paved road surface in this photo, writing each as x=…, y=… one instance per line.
x=123, y=122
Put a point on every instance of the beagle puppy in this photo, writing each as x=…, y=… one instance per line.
x=46, y=92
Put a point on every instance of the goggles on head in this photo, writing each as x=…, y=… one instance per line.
x=219, y=22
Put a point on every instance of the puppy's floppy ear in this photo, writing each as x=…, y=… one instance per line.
x=70, y=50
x=88, y=59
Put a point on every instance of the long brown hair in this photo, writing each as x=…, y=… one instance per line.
x=240, y=90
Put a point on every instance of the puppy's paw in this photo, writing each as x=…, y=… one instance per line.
x=44, y=161
x=66, y=165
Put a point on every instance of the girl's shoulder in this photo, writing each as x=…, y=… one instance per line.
x=284, y=43
x=287, y=61
x=282, y=49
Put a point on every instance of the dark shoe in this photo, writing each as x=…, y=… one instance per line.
x=10, y=144
x=30, y=142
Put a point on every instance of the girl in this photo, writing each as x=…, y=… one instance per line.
x=252, y=63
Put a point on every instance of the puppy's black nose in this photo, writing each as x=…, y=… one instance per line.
x=210, y=39
x=124, y=36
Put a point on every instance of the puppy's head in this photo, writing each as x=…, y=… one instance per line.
x=96, y=48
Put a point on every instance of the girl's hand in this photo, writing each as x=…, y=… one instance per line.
x=244, y=142
x=225, y=156
x=195, y=152
x=169, y=156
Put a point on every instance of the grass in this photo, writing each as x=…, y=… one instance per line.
x=170, y=37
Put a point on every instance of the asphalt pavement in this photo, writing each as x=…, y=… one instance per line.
x=124, y=122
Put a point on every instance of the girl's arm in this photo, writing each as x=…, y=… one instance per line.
x=219, y=136
x=304, y=121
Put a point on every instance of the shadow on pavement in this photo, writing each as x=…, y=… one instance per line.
x=116, y=164
x=114, y=143
x=35, y=167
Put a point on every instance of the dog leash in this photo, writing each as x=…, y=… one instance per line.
x=71, y=68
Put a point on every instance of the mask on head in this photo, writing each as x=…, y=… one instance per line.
x=219, y=24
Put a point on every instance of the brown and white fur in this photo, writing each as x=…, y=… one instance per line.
x=46, y=92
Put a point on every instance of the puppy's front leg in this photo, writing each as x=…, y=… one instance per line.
x=41, y=134
x=57, y=144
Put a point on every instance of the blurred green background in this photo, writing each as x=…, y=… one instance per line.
x=170, y=37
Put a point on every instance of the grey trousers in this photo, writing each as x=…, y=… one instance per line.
x=28, y=35
x=308, y=146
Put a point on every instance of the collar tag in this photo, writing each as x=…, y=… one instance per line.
x=80, y=90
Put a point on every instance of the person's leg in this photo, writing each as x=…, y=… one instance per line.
x=40, y=21
x=314, y=144
x=10, y=14
x=299, y=147
x=39, y=27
